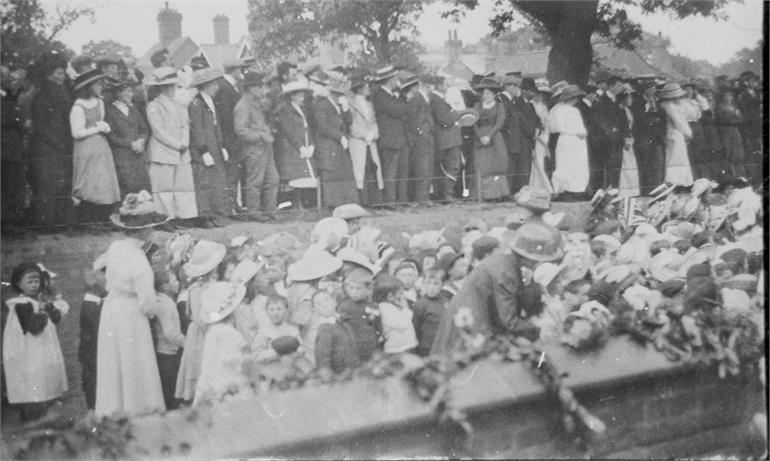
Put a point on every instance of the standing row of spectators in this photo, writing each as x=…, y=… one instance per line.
x=235, y=142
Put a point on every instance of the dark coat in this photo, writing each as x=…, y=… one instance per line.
x=90, y=313
x=420, y=124
x=210, y=181
x=426, y=319
x=392, y=115
x=224, y=101
x=446, y=131
x=293, y=134
x=332, y=161
x=131, y=167
x=491, y=292
x=366, y=330
x=334, y=348
x=609, y=119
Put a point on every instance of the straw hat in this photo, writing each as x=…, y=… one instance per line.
x=205, y=257
x=545, y=273
x=558, y=87
x=351, y=255
x=350, y=211
x=87, y=77
x=468, y=117
x=488, y=84
x=245, y=270
x=205, y=75
x=570, y=92
x=536, y=241
x=384, y=73
x=313, y=265
x=293, y=87
x=408, y=82
x=335, y=228
x=222, y=298
x=162, y=76
x=671, y=91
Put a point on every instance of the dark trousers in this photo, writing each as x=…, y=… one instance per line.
x=371, y=194
x=261, y=187
x=448, y=172
x=609, y=160
x=395, y=171
x=421, y=168
x=14, y=184
x=519, y=169
x=51, y=181
x=88, y=381
x=651, y=160
x=168, y=367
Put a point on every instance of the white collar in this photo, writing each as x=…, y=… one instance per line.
x=588, y=102
x=328, y=320
x=387, y=90
x=509, y=95
x=92, y=298
x=425, y=95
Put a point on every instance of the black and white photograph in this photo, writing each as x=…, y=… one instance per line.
x=383, y=229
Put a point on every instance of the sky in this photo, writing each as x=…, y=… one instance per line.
x=132, y=22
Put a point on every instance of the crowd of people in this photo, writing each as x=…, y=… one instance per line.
x=165, y=324
x=210, y=143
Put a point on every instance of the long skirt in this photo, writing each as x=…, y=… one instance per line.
x=127, y=377
x=173, y=190
x=538, y=178
x=211, y=190
x=733, y=150
x=491, y=163
x=571, y=173
x=94, y=178
x=131, y=169
x=678, y=170
x=358, y=151
x=629, y=173
x=338, y=185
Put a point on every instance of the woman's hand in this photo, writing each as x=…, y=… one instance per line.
x=485, y=140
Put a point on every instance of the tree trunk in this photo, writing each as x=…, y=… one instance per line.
x=569, y=24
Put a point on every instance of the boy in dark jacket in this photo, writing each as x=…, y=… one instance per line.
x=429, y=309
x=360, y=314
x=334, y=347
x=90, y=313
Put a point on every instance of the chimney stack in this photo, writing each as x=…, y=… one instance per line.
x=454, y=46
x=169, y=25
x=221, y=30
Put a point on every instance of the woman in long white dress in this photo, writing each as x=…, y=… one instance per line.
x=538, y=178
x=678, y=169
x=570, y=178
x=127, y=377
x=629, y=172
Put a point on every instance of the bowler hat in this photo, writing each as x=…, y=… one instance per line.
x=528, y=83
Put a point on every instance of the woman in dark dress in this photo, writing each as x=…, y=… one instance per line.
x=50, y=164
x=335, y=168
x=729, y=120
x=490, y=157
x=128, y=138
x=297, y=144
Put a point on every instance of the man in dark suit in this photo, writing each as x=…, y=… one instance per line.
x=587, y=108
x=392, y=115
x=420, y=132
x=519, y=129
x=225, y=100
x=448, y=138
x=612, y=132
x=649, y=133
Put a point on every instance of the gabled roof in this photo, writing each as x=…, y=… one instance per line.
x=458, y=69
x=216, y=55
x=531, y=63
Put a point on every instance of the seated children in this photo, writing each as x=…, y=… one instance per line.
x=169, y=331
x=397, y=327
x=334, y=350
x=407, y=273
x=428, y=310
x=360, y=314
x=276, y=308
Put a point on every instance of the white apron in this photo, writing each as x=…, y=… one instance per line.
x=571, y=151
x=629, y=174
x=34, y=365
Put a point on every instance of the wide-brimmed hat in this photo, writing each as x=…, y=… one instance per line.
x=253, y=79
x=295, y=86
x=671, y=91
x=336, y=227
x=137, y=212
x=87, y=77
x=545, y=273
x=510, y=80
x=163, y=76
x=350, y=211
x=205, y=75
x=351, y=255
x=282, y=240
x=384, y=73
x=533, y=199
x=536, y=241
x=245, y=270
x=468, y=117
x=558, y=87
x=115, y=85
x=570, y=92
x=313, y=265
x=488, y=84
x=204, y=257
x=221, y=299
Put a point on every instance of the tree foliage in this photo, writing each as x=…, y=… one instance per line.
x=292, y=27
x=29, y=31
x=107, y=48
x=570, y=25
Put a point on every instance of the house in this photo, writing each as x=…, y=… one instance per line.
x=183, y=49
